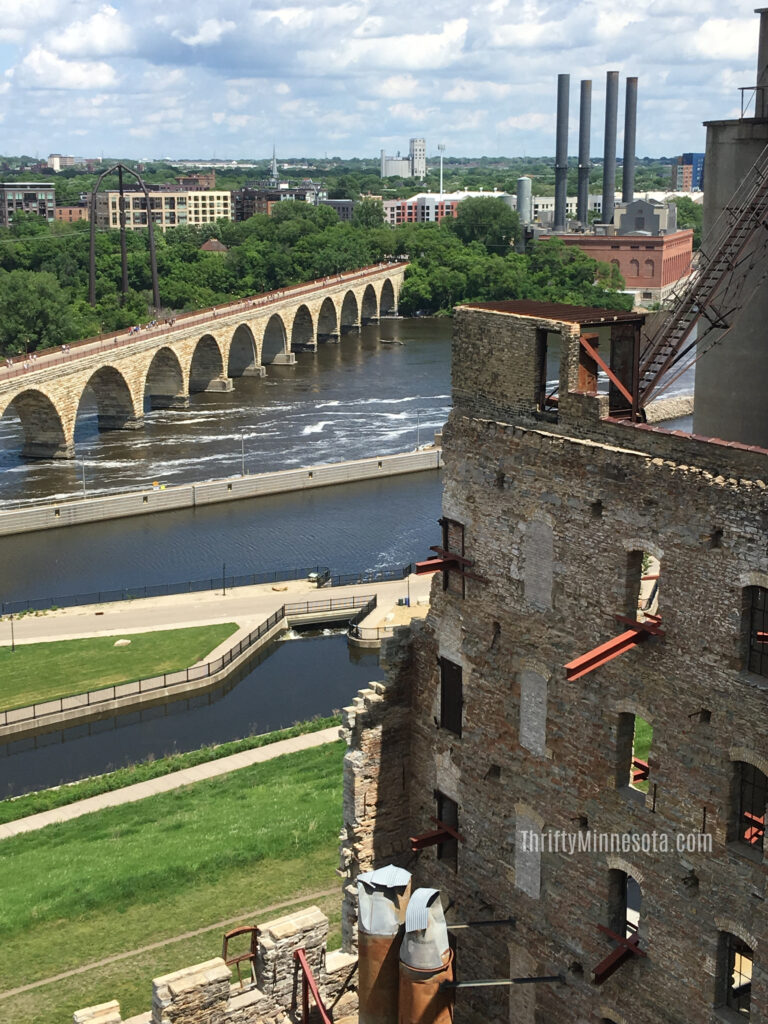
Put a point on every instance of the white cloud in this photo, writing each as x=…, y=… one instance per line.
x=725, y=38
x=464, y=90
x=397, y=86
x=209, y=32
x=41, y=69
x=103, y=34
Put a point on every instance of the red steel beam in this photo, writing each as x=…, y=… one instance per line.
x=601, y=655
x=606, y=368
x=625, y=950
x=310, y=983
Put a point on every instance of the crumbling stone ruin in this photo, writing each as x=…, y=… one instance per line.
x=638, y=558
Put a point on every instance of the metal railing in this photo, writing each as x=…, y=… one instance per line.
x=168, y=680
x=211, y=583
x=308, y=984
x=63, y=355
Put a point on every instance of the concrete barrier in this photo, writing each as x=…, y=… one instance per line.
x=117, y=506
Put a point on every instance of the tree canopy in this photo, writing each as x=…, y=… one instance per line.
x=44, y=273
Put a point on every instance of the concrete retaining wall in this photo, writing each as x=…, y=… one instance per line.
x=118, y=506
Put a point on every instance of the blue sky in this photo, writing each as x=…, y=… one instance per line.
x=138, y=78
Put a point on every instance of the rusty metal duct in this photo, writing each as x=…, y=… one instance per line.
x=585, y=128
x=426, y=961
x=630, y=132
x=609, y=148
x=382, y=900
x=561, y=151
x=761, y=95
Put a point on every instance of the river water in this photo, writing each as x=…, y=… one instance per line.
x=289, y=681
x=368, y=395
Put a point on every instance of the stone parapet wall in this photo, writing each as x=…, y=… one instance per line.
x=205, y=994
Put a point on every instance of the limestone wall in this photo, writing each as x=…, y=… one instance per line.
x=553, y=514
x=204, y=993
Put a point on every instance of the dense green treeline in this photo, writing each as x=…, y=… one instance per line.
x=44, y=268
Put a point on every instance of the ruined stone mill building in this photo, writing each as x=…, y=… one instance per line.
x=574, y=743
x=562, y=524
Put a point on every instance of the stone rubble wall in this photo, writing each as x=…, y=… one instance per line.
x=205, y=994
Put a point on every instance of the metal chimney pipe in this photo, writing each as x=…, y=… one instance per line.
x=761, y=95
x=585, y=128
x=630, y=134
x=609, y=148
x=561, y=152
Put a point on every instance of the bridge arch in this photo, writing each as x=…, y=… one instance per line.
x=302, y=330
x=115, y=406
x=387, y=301
x=350, y=317
x=46, y=436
x=274, y=342
x=243, y=352
x=327, y=320
x=206, y=365
x=370, y=306
x=164, y=381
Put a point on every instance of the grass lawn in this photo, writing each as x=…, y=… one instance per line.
x=128, y=876
x=14, y=808
x=39, y=672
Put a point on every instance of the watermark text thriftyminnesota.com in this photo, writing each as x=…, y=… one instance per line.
x=586, y=841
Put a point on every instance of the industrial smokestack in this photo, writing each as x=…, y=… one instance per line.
x=761, y=96
x=609, y=149
x=585, y=127
x=561, y=153
x=630, y=132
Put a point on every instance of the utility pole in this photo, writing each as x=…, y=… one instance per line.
x=441, y=148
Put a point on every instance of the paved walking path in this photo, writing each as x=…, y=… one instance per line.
x=166, y=783
x=247, y=606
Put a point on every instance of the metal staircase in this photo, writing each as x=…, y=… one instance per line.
x=746, y=212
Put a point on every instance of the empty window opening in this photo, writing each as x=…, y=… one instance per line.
x=633, y=748
x=756, y=616
x=716, y=538
x=451, y=696
x=643, y=576
x=624, y=904
x=735, y=974
x=750, y=796
x=597, y=509
x=453, y=541
x=448, y=814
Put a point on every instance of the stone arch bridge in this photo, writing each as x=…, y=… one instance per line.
x=202, y=351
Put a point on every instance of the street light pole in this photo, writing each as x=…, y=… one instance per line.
x=13, y=641
x=224, y=579
x=242, y=453
x=418, y=427
x=83, y=466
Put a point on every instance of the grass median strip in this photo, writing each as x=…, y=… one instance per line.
x=34, y=673
x=47, y=799
x=127, y=876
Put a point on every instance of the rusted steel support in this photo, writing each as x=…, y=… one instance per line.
x=308, y=985
x=625, y=950
x=594, y=354
x=442, y=834
x=636, y=634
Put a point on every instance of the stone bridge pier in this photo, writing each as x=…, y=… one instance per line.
x=200, y=352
